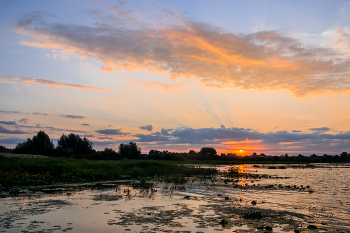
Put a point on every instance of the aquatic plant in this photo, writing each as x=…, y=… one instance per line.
x=253, y=215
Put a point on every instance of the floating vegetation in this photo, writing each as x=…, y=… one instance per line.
x=274, y=186
x=253, y=215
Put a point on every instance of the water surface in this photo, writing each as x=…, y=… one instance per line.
x=289, y=199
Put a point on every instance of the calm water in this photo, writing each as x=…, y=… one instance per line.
x=118, y=207
x=330, y=184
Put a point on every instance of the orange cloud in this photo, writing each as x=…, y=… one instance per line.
x=265, y=60
x=45, y=82
x=26, y=120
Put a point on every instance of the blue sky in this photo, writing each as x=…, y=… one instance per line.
x=257, y=76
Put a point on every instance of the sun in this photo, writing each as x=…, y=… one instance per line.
x=240, y=150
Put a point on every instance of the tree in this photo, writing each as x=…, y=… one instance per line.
x=42, y=143
x=192, y=152
x=208, y=151
x=74, y=144
x=39, y=144
x=129, y=151
x=107, y=154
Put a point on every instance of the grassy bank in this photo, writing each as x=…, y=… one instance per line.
x=32, y=171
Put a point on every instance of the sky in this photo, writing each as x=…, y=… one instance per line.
x=249, y=76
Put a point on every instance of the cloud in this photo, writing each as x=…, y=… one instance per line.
x=8, y=122
x=322, y=129
x=296, y=131
x=38, y=113
x=147, y=127
x=234, y=137
x=45, y=82
x=72, y=116
x=164, y=131
x=26, y=120
x=85, y=124
x=7, y=131
x=344, y=38
x=115, y=132
x=265, y=60
x=10, y=112
x=104, y=143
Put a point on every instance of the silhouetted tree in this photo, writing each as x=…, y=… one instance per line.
x=192, y=152
x=73, y=144
x=129, y=151
x=3, y=148
x=39, y=144
x=108, y=154
x=208, y=151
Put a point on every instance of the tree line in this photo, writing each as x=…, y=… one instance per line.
x=73, y=146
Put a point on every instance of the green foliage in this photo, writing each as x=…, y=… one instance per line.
x=39, y=144
x=130, y=151
x=73, y=144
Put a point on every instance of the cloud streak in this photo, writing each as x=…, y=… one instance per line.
x=8, y=122
x=113, y=132
x=10, y=112
x=45, y=82
x=265, y=60
x=4, y=130
x=72, y=116
x=26, y=120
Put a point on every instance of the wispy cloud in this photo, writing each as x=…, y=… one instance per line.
x=10, y=112
x=321, y=129
x=266, y=60
x=38, y=113
x=72, y=116
x=85, y=124
x=3, y=130
x=114, y=132
x=26, y=120
x=8, y=122
x=45, y=82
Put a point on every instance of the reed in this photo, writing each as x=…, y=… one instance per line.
x=31, y=171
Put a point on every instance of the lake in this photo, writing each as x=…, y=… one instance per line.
x=260, y=198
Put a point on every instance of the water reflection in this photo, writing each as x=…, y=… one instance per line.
x=200, y=205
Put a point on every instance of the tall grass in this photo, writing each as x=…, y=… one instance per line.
x=26, y=171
